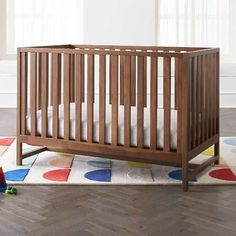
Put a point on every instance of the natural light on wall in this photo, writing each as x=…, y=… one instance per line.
x=42, y=22
x=198, y=23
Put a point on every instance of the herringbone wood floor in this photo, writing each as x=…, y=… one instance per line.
x=119, y=210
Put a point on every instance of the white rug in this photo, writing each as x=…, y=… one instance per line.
x=58, y=168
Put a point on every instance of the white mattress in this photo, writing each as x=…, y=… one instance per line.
x=160, y=124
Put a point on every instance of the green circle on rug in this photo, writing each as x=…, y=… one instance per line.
x=100, y=163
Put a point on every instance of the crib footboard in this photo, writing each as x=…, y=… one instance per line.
x=147, y=104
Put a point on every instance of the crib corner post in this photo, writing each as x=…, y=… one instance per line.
x=185, y=172
x=19, y=153
x=217, y=152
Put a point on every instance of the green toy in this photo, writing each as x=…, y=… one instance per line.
x=11, y=190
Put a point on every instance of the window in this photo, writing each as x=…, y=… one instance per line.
x=198, y=23
x=40, y=22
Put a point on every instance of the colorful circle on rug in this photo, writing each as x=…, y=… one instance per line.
x=223, y=174
x=103, y=175
x=64, y=154
x=100, y=163
x=139, y=165
x=140, y=175
x=16, y=175
x=209, y=151
x=230, y=141
x=57, y=175
x=6, y=141
x=62, y=162
x=177, y=175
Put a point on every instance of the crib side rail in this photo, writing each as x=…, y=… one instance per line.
x=203, y=98
x=53, y=77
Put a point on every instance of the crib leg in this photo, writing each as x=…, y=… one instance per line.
x=19, y=153
x=217, y=152
x=185, y=174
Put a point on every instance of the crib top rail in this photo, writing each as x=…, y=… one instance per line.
x=122, y=50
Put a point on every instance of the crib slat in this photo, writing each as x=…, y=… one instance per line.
x=33, y=95
x=78, y=95
x=72, y=78
x=207, y=96
x=90, y=98
x=199, y=98
x=39, y=82
x=127, y=100
x=114, y=98
x=44, y=94
x=194, y=100
x=24, y=85
x=167, y=87
x=66, y=91
x=153, y=104
x=178, y=64
x=102, y=99
x=55, y=84
x=140, y=101
x=145, y=82
x=122, y=75
x=133, y=80
x=215, y=95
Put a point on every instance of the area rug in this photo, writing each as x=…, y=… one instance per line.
x=50, y=168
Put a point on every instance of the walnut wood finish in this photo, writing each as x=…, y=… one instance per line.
x=131, y=70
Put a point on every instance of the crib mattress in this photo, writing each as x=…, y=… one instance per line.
x=146, y=131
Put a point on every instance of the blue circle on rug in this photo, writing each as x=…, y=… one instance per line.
x=177, y=174
x=16, y=175
x=103, y=175
x=230, y=141
x=106, y=163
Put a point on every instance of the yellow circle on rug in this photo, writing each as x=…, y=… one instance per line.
x=64, y=154
x=209, y=151
x=139, y=165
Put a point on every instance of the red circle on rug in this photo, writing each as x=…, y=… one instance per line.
x=57, y=175
x=223, y=174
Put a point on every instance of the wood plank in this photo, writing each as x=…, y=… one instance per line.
x=194, y=101
x=39, y=82
x=122, y=75
x=66, y=92
x=72, y=78
x=90, y=97
x=145, y=82
x=178, y=97
x=19, y=96
x=44, y=94
x=114, y=98
x=140, y=102
x=127, y=101
x=199, y=99
x=153, y=104
x=79, y=59
x=133, y=81
x=203, y=135
x=167, y=102
x=102, y=99
x=24, y=86
x=55, y=67
x=33, y=93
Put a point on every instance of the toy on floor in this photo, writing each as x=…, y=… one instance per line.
x=11, y=190
x=3, y=185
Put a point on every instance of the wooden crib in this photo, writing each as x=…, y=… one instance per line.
x=132, y=78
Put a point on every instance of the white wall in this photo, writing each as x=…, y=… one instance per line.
x=119, y=22
x=130, y=22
